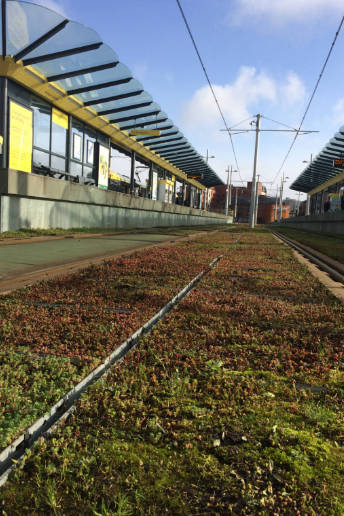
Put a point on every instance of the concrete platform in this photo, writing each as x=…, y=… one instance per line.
x=24, y=263
x=35, y=201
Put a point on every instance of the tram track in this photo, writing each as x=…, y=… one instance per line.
x=327, y=264
x=60, y=411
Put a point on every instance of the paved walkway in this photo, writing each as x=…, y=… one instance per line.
x=23, y=263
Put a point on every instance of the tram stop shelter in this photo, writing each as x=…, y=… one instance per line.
x=70, y=114
x=323, y=181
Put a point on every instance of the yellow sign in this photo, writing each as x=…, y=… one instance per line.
x=115, y=177
x=20, y=153
x=60, y=118
x=165, y=182
x=149, y=132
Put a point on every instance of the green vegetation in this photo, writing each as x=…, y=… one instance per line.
x=56, y=332
x=330, y=244
x=179, y=230
x=232, y=405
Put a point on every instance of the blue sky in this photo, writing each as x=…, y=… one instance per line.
x=262, y=56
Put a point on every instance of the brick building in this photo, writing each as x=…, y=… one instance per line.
x=266, y=205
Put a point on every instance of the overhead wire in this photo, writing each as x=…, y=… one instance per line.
x=210, y=85
x=311, y=97
x=279, y=123
x=241, y=122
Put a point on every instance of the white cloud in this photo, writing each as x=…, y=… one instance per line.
x=338, y=112
x=234, y=99
x=281, y=11
x=294, y=90
x=241, y=98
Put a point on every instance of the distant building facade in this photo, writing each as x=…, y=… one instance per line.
x=240, y=203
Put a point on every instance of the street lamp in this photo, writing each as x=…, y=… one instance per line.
x=207, y=157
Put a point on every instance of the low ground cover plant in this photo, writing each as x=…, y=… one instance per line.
x=37, y=232
x=233, y=404
x=329, y=244
x=54, y=333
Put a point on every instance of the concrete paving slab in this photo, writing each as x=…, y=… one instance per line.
x=20, y=259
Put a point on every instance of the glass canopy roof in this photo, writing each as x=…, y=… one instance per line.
x=322, y=167
x=74, y=57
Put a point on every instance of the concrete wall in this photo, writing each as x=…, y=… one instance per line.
x=326, y=223
x=34, y=201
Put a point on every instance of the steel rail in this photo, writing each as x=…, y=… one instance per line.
x=16, y=451
x=331, y=270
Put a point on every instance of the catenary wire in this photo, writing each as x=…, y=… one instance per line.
x=311, y=97
x=279, y=123
x=210, y=85
x=241, y=122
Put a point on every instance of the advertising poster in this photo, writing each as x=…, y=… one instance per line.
x=20, y=152
x=335, y=201
x=103, y=167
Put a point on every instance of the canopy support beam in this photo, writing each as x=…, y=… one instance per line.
x=38, y=42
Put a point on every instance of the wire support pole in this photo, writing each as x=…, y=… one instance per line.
x=227, y=192
x=283, y=180
x=276, y=204
x=236, y=205
x=230, y=187
x=256, y=201
x=253, y=186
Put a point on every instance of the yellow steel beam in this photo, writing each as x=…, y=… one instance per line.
x=30, y=78
x=330, y=182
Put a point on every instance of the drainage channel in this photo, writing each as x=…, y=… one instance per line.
x=17, y=450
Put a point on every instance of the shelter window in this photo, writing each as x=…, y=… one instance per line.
x=42, y=122
x=58, y=163
x=77, y=141
x=40, y=158
x=59, y=130
x=90, y=139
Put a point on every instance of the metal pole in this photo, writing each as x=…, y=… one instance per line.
x=276, y=204
x=256, y=201
x=281, y=201
x=298, y=204
x=150, y=181
x=227, y=192
x=236, y=204
x=253, y=190
x=132, y=174
x=308, y=205
x=230, y=188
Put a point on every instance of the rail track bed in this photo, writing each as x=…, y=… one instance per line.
x=232, y=404
x=334, y=268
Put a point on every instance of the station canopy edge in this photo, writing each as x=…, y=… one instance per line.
x=327, y=167
x=73, y=58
